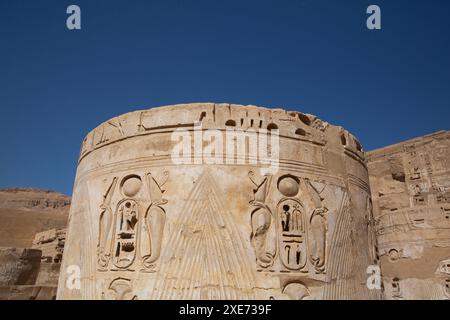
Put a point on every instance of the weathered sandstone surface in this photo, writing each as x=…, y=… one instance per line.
x=19, y=266
x=147, y=225
x=20, y=270
x=410, y=185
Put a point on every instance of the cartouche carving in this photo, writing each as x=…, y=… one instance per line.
x=127, y=218
x=132, y=231
x=301, y=226
x=222, y=230
x=292, y=231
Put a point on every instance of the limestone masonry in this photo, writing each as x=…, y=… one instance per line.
x=143, y=227
x=410, y=185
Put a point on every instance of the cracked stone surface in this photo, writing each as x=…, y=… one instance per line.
x=144, y=227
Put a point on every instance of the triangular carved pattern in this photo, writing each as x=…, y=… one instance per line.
x=342, y=284
x=204, y=255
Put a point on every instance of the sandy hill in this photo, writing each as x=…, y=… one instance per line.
x=24, y=212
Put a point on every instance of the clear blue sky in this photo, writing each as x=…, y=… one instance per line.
x=314, y=56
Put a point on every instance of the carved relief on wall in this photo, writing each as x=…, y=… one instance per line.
x=396, y=289
x=289, y=230
x=292, y=231
x=447, y=288
x=204, y=257
x=262, y=220
x=296, y=291
x=371, y=231
x=443, y=272
x=444, y=268
x=119, y=289
x=130, y=235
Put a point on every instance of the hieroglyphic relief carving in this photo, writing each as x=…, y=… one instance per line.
x=371, y=231
x=110, y=130
x=263, y=231
x=116, y=123
x=301, y=226
x=318, y=242
x=130, y=230
x=105, y=230
x=444, y=267
x=296, y=291
x=154, y=221
x=215, y=245
x=396, y=289
x=443, y=272
x=447, y=288
x=292, y=231
x=119, y=289
x=126, y=233
x=410, y=207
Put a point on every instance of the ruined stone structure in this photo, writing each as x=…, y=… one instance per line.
x=19, y=276
x=32, y=273
x=25, y=212
x=147, y=222
x=410, y=185
x=29, y=270
x=51, y=243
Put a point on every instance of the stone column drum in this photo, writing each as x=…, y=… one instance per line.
x=145, y=224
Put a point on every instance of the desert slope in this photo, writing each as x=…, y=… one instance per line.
x=24, y=212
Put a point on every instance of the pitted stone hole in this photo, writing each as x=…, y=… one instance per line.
x=399, y=176
x=286, y=207
x=300, y=132
x=128, y=247
x=395, y=283
x=230, y=123
x=394, y=255
x=343, y=140
x=304, y=118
